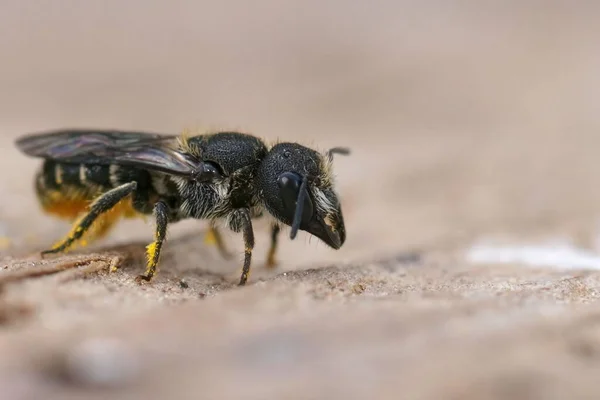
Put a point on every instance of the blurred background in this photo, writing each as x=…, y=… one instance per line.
x=487, y=106
x=465, y=117
x=468, y=120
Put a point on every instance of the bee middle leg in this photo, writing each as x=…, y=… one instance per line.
x=101, y=205
x=161, y=213
x=248, y=233
x=214, y=236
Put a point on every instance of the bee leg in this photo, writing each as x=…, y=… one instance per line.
x=271, y=261
x=101, y=205
x=248, y=234
x=214, y=236
x=161, y=212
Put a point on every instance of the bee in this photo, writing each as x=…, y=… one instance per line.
x=93, y=178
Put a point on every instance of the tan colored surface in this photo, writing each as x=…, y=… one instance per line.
x=467, y=121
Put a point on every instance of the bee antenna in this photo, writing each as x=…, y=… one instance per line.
x=338, y=150
x=299, y=208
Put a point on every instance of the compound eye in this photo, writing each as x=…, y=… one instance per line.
x=289, y=188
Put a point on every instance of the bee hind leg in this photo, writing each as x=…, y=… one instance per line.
x=101, y=205
x=161, y=213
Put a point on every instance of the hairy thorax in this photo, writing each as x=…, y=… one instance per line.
x=215, y=201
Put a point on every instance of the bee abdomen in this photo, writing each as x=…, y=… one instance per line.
x=66, y=189
x=61, y=189
x=55, y=175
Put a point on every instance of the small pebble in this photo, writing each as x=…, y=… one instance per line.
x=183, y=284
x=101, y=363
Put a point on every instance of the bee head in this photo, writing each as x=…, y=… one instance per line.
x=297, y=188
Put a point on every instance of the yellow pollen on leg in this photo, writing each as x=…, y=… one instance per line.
x=151, y=253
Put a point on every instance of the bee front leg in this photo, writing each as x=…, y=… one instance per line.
x=161, y=213
x=271, y=261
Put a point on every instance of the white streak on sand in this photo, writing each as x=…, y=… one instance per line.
x=553, y=255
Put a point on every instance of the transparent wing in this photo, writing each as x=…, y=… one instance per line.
x=138, y=149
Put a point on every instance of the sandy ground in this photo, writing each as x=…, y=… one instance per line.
x=469, y=122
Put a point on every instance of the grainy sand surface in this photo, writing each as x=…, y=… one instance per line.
x=470, y=122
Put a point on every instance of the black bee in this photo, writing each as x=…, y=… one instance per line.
x=95, y=177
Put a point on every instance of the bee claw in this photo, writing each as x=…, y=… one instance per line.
x=272, y=264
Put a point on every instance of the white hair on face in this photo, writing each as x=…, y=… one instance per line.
x=327, y=181
x=324, y=203
x=327, y=169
